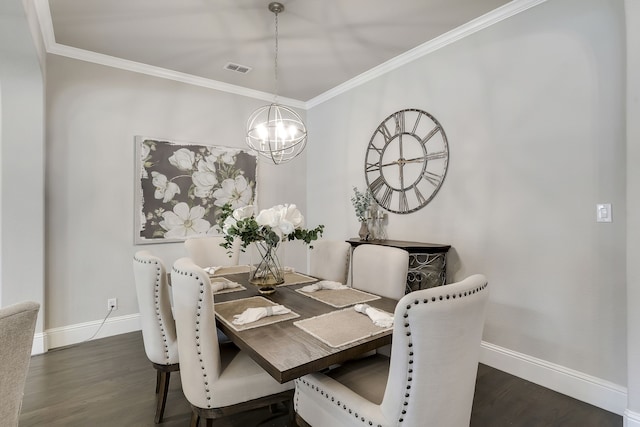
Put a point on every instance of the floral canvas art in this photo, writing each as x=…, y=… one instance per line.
x=183, y=187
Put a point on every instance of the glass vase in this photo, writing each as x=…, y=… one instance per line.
x=266, y=268
x=364, y=231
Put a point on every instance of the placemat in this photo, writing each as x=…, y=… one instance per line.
x=225, y=291
x=296, y=279
x=226, y=310
x=340, y=298
x=341, y=327
x=232, y=269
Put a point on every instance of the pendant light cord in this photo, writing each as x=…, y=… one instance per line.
x=276, y=60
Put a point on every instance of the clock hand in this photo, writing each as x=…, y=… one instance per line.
x=390, y=164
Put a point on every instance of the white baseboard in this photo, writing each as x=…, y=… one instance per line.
x=73, y=334
x=631, y=419
x=595, y=391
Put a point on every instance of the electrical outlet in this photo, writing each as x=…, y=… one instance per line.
x=112, y=303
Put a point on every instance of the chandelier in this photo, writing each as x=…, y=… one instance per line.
x=275, y=131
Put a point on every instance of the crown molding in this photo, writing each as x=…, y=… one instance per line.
x=471, y=27
x=46, y=27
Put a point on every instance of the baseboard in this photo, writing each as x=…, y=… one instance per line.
x=595, y=391
x=39, y=343
x=631, y=419
x=73, y=334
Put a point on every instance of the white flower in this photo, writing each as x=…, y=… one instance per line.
x=294, y=216
x=183, y=159
x=184, y=222
x=243, y=212
x=283, y=218
x=205, y=178
x=145, y=150
x=229, y=222
x=237, y=192
x=226, y=155
x=165, y=189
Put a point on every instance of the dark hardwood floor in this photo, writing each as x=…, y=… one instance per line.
x=110, y=382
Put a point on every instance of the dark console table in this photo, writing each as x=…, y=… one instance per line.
x=427, y=261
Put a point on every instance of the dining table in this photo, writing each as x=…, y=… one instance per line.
x=322, y=330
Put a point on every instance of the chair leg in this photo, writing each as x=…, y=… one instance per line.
x=157, y=381
x=163, y=390
x=194, y=419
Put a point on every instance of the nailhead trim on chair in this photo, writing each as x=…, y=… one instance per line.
x=205, y=380
x=157, y=303
x=410, y=362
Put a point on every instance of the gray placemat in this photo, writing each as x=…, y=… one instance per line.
x=341, y=327
x=232, y=269
x=340, y=298
x=226, y=310
x=296, y=279
x=225, y=291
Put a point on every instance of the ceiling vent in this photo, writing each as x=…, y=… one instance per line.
x=242, y=69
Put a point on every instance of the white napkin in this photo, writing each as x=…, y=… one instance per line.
x=223, y=284
x=257, y=313
x=379, y=318
x=288, y=269
x=211, y=270
x=323, y=284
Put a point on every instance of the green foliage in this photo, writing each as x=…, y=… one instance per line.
x=361, y=202
x=249, y=231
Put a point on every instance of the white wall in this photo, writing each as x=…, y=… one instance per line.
x=533, y=108
x=21, y=163
x=93, y=113
x=633, y=211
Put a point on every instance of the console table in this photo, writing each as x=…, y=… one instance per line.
x=427, y=261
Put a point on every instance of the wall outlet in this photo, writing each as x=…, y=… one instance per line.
x=112, y=303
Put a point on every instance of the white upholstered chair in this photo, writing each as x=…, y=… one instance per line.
x=329, y=260
x=430, y=378
x=216, y=380
x=17, y=326
x=381, y=270
x=158, y=327
x=207, y=252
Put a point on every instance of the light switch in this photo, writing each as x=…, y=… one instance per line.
x=603, y=212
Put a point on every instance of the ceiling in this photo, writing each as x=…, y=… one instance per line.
x=322, y=43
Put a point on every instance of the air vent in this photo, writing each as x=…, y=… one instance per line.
x=242, y=69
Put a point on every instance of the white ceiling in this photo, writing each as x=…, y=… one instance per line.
x=322, y=43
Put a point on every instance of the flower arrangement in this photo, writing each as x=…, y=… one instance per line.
x=279, y=223
x=361, y=202
x=266, y=230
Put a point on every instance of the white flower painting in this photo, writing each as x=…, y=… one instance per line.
x=182, y=187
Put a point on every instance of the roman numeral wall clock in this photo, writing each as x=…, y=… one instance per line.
x=406, y=161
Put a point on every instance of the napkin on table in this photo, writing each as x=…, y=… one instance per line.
x=257, y=313
x=211, y=270
x=223, y=284
x=379, y=318
x=323, y=284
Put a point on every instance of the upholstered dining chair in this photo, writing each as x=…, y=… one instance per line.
x=216, y=380
x=158, y=327
x=207, y=252
x=430, y=378
x=329, y=260
x=381, y=270
x=17, y=326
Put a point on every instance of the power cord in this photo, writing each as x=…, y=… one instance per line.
x=99, y=327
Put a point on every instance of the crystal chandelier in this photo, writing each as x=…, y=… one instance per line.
x=275, y=131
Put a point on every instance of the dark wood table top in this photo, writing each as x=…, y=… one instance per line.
x=285, y=351
x=411, y=247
